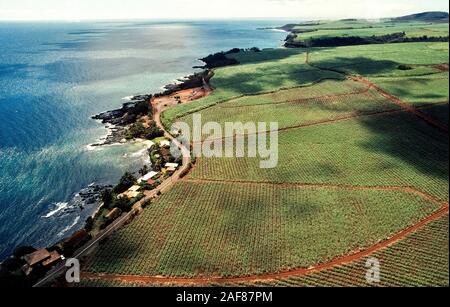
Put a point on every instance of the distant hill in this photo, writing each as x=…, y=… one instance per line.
x=426, y=16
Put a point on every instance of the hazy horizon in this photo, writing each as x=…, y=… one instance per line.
x=84, y=10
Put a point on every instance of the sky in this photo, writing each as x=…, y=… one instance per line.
x=76, y=10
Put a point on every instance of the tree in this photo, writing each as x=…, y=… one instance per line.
x=89, y=224
x=153, y=132
x=107, y=197
x=123, y=204
x=144, y=170
x=136, y=130
x=126, y=182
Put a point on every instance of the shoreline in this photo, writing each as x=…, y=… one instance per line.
x=160, y=102
x=118, y=122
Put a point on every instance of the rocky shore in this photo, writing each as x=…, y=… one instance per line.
x=117, y=120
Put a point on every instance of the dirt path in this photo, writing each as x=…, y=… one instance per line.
x=339, y=261
x=402, y=189
x=299, y=100
x=397, y=101
x=316, y=123
x=405, y=106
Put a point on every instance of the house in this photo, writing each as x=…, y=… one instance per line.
x=41, y=258
x=151, y=182
x=172, y=165
x=55, y=257
x=149, y=176
x=37, y=257
x=165, y=143
x=165, y=153
x=114, y=214
x=132, y=192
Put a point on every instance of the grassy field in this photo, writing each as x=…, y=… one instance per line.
x=333, y=190
x=255, y=78
x=363, y=30
x=220, y=229
x=382, y=60
x=391, y=149
x=419, y=260
x=417, y=90
x=299, y=106
x=406, y=263
x=439, y=111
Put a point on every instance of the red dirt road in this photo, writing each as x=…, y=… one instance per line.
x=339, y=261
x=405, y=106
x=199, y=281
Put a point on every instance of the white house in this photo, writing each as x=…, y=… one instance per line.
x=172, y=165
x=164, y=143
x=149, y=176
x=132, y=192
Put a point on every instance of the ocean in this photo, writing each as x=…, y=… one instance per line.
x=54, y=77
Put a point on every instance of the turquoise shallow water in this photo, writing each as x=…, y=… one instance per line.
x=54, y=77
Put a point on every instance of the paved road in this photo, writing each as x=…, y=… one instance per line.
x=148, y=196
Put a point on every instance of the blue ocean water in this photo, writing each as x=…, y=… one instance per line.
x=54, y=77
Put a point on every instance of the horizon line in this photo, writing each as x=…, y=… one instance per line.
x=204, y=18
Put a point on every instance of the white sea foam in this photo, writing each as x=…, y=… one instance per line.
x=127, y=98
x=277, y=30
x=63, y=232
x=58, y=208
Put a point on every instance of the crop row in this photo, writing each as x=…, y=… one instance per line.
x=233, y=229
x=389, y=150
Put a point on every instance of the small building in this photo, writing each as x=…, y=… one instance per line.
x=132, y=192
x=151, y=182
x=114, y=214
x=172, y=165
x=164, y=143
x=149, y=176
x=55, y=258
x=165, y=153
x=40, y=259
x=171, y=170
x=37, y=257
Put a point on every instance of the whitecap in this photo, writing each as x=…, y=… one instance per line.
x=127, y=98
x=75, y=222
x=58, y=207
x=138, y=154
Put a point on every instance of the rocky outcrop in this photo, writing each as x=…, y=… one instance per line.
x=118, y=120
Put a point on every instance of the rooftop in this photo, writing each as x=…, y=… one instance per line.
x=37, y=257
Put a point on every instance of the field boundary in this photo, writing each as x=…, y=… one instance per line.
x=300, y=100
x=337, y=119
x=442, y=211
x=402, y=189
x=397, y=101
x=404, y=105
x=339, y=261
